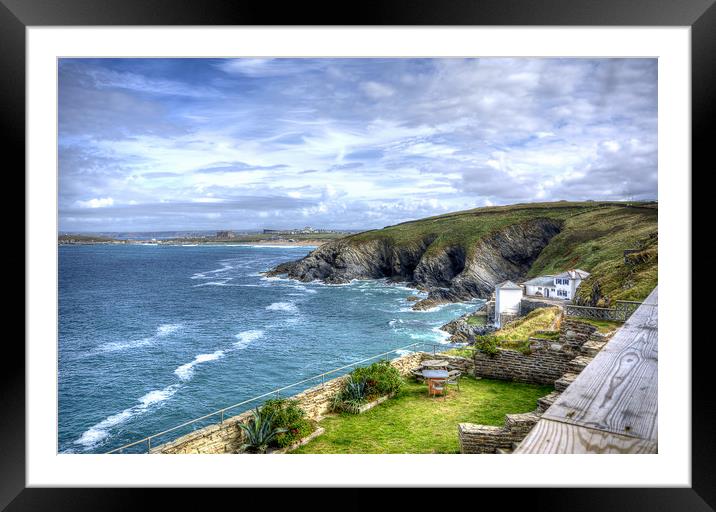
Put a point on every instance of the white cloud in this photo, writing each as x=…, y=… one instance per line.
x=377, y=90
x=357, y=142
x=95, y=203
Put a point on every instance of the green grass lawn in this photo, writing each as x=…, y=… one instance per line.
x=412, y=422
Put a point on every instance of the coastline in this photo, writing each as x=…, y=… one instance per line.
x=175, y=242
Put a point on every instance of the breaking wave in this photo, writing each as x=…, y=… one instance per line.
x=99, y=432
x=186, y=371
x=288, y=307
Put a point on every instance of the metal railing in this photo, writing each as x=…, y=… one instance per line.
x=621, y=311
x=277, y=392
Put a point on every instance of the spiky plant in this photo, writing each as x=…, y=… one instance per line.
x=259, y=432
x=351, y=397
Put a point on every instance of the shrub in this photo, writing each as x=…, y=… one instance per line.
x=525, y=348
x=381, y=378
x=287, y=415
x=259, y=431
x=350, y=397
x=487, y=344
x=367, y=383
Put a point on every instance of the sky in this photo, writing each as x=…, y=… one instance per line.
x=204, y=144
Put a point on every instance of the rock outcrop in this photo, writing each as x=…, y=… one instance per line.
x=461, y=330
x=449, y=274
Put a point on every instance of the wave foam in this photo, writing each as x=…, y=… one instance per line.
x=162, y=331
x=204, y=275
x=288, y=307
x=167, y=329
x=186, y=371
x=215, y=283
x=99, y=432
x=247, y=337
x=115, y=346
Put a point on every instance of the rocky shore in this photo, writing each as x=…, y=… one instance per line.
x=462, y=330
x=449, y=274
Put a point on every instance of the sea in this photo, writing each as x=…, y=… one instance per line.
x=154, y=335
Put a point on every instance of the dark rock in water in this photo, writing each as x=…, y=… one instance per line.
x=464, y=332
x=448, y=274
x=412, y=298
x=280, y=269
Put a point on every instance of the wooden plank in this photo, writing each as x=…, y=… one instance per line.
x=556, y=437
x=617, y=391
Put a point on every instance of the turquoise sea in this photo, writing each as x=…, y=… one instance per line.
x=151, y=336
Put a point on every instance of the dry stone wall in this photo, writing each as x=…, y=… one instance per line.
x=549, y=362
x=542, y=366
x=527, y=305
x=227, y=437
x=488, y=439
x=575, y=333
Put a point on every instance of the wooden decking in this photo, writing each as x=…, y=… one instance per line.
x=611, y=407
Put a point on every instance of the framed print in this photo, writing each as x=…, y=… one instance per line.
x=376, y=251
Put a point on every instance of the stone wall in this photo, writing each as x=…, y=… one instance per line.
x=547, y=361
x=490, y=439
x=550, y=362
x=224, y=437
x=490, y=310
x=543, y=365
x=227, y=437
x=574, y=333
x=465, y=365
x=527, y=305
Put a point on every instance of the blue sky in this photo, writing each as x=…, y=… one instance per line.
x=174, y=144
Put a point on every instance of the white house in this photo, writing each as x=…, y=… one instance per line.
x=507, y=300
x=562, y=286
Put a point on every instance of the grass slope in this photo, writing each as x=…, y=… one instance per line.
x=593, y=237
x=540, y=319
x=412, y=422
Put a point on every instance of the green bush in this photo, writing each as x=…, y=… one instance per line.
x=350, y=397
x=365, y=384
x=289, y=417
x=260, y=431
x=525, y=348
x=487, y=344
x=381, y=378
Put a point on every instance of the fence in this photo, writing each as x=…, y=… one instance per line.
x=621, y=311
x=220, y=413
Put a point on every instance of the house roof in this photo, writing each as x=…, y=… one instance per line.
x=541, y=281
x=508, y=285
x=574, y=274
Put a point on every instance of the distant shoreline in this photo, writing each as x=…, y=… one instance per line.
x=175, y=242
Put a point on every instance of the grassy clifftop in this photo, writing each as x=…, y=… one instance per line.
x=593, y=237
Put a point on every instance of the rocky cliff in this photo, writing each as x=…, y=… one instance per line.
x=451, y=272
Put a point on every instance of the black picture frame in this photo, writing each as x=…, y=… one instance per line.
x=700, y=15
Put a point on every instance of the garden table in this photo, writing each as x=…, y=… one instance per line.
x=435, y=363
x=433, y=376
